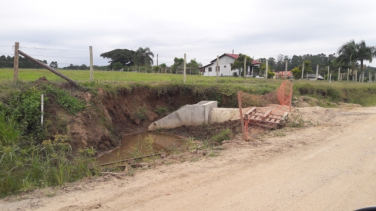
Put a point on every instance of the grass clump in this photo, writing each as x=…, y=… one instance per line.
x=140, y=114
x=161, y=110
x=222, y=136
x=65, y=99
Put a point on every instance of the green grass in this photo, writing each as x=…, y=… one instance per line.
x=111, y=81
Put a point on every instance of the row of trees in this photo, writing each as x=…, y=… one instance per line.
x=350, y=55
x=8, y=62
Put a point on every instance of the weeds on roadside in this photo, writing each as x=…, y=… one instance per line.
x=295, y=119
x=50, y=164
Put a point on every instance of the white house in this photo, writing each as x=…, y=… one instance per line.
x=224, y=66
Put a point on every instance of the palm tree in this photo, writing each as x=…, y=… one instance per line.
x=347, y=55
x=351, y=52
x=143, y=56
x=364, y=52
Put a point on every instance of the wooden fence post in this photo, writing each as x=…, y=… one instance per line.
x=16, y=59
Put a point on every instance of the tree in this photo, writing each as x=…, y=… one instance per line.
x=178, y=63
x=239, y=63
x=163, y=66
x=143, y=57
x=117, y=66
x=54, y=65
x=347, y=55
x=364, y=52
x=124, y=56
x=297, y=71
x=194, y=66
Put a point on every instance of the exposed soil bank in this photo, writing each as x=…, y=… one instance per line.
x=111, y=114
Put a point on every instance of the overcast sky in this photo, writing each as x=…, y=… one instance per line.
x=202, y=29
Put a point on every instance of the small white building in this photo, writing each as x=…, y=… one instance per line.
x=224, y=66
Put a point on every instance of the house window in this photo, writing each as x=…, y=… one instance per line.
x=219, y=67
x=210, y=69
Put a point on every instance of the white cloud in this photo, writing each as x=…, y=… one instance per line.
x=202, y=29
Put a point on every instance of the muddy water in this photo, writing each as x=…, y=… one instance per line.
x=137, y=144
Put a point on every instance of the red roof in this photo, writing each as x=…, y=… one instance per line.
x=235, y=56
x=255, y=62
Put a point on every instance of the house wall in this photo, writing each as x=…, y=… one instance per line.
x=224, y=64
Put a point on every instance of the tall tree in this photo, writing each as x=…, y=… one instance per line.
x=366, y=53
x=347, y=55
x=143, y=57
x=124, y=56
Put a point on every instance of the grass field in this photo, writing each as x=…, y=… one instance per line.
x=352, y=92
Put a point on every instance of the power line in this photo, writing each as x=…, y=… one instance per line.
x=53, y=49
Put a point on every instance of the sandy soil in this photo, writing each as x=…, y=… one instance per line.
x=329, y=165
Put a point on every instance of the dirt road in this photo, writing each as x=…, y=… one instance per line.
x=328, y=166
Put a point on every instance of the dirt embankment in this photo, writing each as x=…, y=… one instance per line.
x=109, y=116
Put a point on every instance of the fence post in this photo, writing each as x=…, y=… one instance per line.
x=16, y=59
x=266, y=69
x=216, y=69
x=185, y=62
x=41, y=109
x=91, y=64
x=286, y=69
x=245, y=66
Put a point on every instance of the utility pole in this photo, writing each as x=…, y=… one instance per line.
x=157, y=64
x=185, y=62
x=302, y=70
x=16, y=59
x=266, y=69
x=339, y=73
x=317, y=71
x=216, y=68
x=91, y=64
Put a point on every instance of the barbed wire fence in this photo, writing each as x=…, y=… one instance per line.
x=59, y=59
